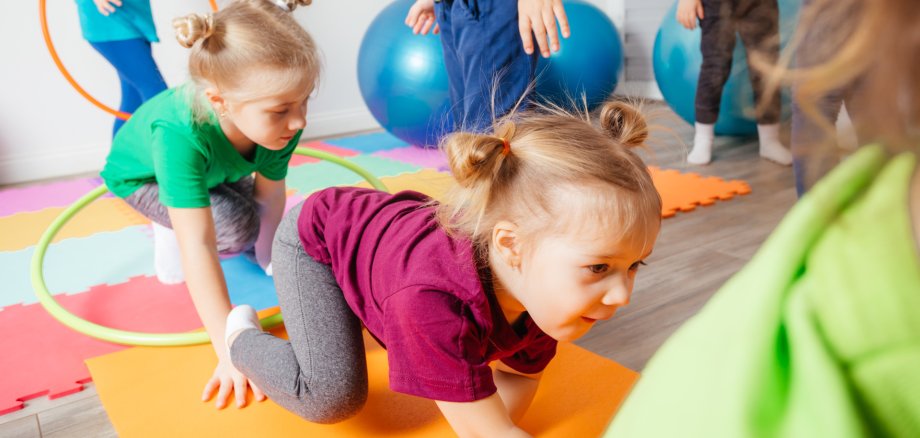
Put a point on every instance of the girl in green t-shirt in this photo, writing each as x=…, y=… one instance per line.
x=206, y=162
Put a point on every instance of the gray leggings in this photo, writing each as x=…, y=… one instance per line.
x=321, y=373
x=757, y=22
x=236, y=215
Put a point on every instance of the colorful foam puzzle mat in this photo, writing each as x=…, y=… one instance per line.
x=102, y=259
x=150, y=392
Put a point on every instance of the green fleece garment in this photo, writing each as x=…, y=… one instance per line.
x=818, y=336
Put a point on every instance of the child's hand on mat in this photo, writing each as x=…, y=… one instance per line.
x=106, y=7
x=421, y=18
x=227, y=378
x=688, y=11
x=538, y=18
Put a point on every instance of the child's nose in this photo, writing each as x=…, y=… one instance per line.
x=298, y=123
x=619, y=292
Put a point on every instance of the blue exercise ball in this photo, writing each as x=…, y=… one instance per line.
x=677, y=59
x=402, y=77
x=588, y=62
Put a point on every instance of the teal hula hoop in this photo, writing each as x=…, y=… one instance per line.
x=138, y=338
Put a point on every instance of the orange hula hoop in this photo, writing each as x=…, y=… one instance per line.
x=43, y=17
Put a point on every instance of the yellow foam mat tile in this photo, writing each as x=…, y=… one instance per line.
x=22, y=230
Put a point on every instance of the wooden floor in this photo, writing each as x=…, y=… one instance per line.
x=696, y=253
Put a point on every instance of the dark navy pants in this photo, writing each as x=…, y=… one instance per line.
x=484, y=55
x=137, y=71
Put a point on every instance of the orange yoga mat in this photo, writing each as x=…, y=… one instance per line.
x=679, y=191
x=154, y=392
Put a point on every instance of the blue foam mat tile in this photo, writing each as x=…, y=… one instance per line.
x=75, y=265
x=248, y=284
x=311, y=177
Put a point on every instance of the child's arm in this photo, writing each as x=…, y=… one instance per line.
x=516, y=389
x=194, y=228
x=270, y=196
x=496, y=415
x=482, y=418
x=688, y=11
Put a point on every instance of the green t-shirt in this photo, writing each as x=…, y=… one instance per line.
x=161, y=143
x=818, y=336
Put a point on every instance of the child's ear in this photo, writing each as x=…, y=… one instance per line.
x=215, y=99
x=507, y=244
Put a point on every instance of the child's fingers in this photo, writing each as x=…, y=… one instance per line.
x=116, y=2
x=239, y=391
x=209, y=388
x=256, y=391
x=699, y=10
x=559, y=11
x=226, y=385
x=526, y=39
x=539, y=32
x=552, y=35
x=437, y=29
x=411, y=17
x=426, y=27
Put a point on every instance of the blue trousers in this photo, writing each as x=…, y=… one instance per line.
x=137, y=71
x=483, y=55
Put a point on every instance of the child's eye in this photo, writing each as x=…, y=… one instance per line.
x=599, y=268
x=635, y=266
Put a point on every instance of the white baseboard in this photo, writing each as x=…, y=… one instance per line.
x=82, y=158
x=335, y=123
x=644, y=89
x=52, y=164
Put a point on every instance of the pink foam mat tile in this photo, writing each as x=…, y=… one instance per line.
x=40, y=356
x=297, y=160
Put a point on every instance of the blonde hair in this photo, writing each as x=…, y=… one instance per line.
x=246, y=34
x=551, y=154
x=874, y=44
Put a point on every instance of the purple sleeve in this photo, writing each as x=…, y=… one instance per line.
x=535, y=357
x=434, y=347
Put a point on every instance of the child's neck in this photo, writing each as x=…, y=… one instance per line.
x=503, y=278
x=240, y=142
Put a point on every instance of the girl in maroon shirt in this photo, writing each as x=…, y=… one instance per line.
x=542, y=235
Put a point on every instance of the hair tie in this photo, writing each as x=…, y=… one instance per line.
x=283, y=4
x=506, y=146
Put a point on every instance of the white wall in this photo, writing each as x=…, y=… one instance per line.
x=48, y=130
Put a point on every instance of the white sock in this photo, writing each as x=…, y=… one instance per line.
x=702, y=144
x=167, y=260
x=770, y=146
x=242, y=317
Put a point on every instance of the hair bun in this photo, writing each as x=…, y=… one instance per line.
x=290, y=5
x=193, y=28
x=624, y=123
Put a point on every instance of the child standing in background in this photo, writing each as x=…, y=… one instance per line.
x=186, y=158
x=489, y=51
x=542, y=236
x=757, y=22
x=121, y=31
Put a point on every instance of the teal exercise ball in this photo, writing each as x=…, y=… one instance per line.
x=677, y=59
x=588, y=62
x=402, y=77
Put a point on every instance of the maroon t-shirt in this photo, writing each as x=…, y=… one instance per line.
x=419, y=292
